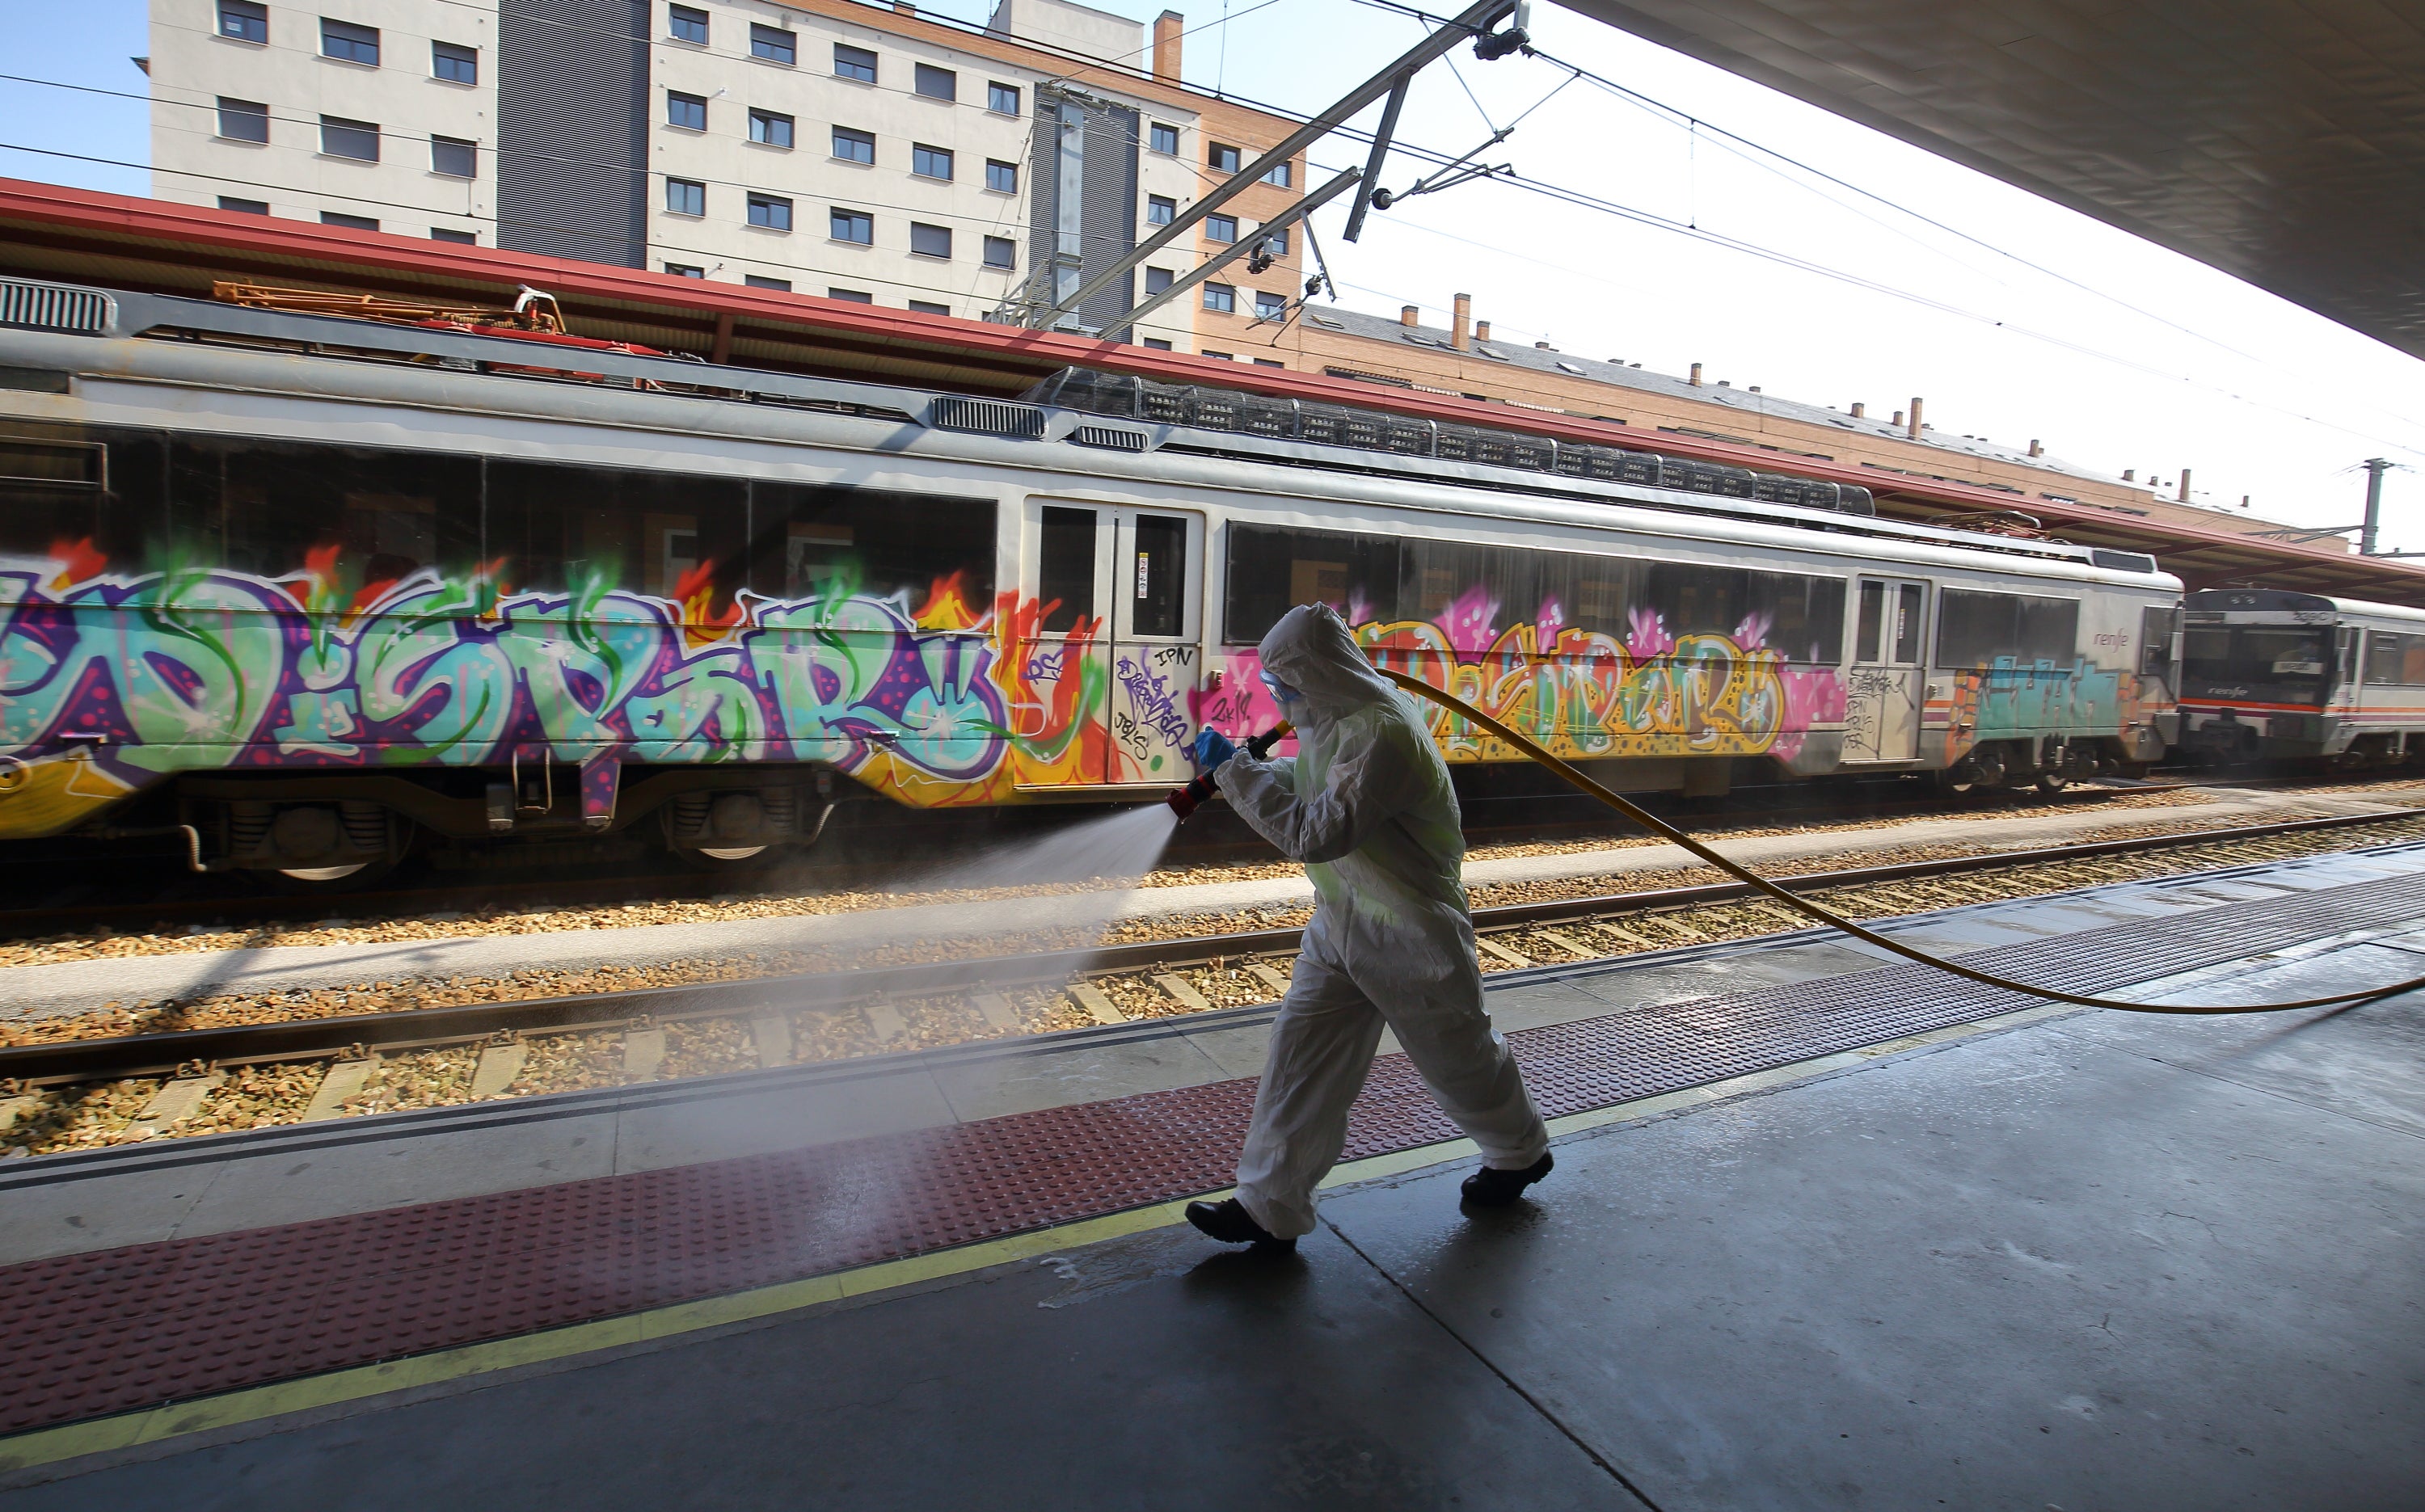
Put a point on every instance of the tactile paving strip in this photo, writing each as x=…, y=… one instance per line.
x=120, y=1330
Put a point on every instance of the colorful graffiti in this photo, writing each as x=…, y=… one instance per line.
x=2009, y=701
x=108, y=682
x=1583, y=694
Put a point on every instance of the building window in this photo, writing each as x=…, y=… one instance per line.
x=928, y=307
x=771, y=127
x=1157, y=280
x=249, y=207
x=1278, y=241
x=455, y=65
x=930, y=162
x=351, y=223
x=685, y=270
x=453, y=157
x=1269, y=362
x=1217, y=357
x=1164, y=138
x=357, y=139
x=1002, y=99
x=854, y=226
x=754, y=281
x=244, y=120
x=447, y=234
x=773, y=43
x=1270, y=306
x=1221, y=227
x=1222, y=158
x=687, y=25
x=1000, y=177
x=937, y=84
x=1000, y=252
x=686, y=197
x=1160, y=209
x=1156, y=343
x=851, y=296
x=243, y=20
x=929, y=241
x=688, y=111
x=348, y=42
x=854, y=63
x=1280, y=174
x=854, y=146
x=770, y=210
x=1222, y=298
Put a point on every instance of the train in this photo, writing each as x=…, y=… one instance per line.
x=2268, y=674
x=305, y=590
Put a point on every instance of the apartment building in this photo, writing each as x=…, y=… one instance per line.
x=831, y=148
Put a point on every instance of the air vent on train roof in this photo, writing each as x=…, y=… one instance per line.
x=2122, y=561
x=54, y=307
x=986, y=417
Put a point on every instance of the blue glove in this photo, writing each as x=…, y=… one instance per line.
x=1213, y=748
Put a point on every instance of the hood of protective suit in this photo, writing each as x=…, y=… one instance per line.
x=1312, y=651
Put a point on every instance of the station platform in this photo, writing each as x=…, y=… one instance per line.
x=1827, y=1230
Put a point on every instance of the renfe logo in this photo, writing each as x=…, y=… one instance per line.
x=2114, y=640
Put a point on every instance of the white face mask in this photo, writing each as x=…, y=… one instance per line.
x=1281, y=692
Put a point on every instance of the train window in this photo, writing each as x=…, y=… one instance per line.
x=1909, y=606
x=1470, y=587
x=1593, y=593
x=1982, y=629
x=1157, y=604
x=2395, y=659
x=1272, y=570
x=1804, y=616
x=1864, y=637
x=2156, y=626
x=276, y=507
x=668, y=535
x=1064, y=568
x=67, y=496
x=830, y=542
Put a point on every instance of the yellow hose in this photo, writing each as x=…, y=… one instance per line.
x=1827, y=916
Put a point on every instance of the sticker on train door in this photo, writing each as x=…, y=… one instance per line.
x=1882, y=692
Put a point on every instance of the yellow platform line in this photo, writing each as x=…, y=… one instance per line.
x=253, y=1404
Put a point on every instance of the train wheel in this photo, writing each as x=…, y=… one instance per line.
x=345, y=879
x=2051, y=783
x=725, y=858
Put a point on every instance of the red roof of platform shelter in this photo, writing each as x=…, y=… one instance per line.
x=119, y=241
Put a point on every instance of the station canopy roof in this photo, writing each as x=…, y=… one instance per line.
x=2282, y=143
x=116, y=241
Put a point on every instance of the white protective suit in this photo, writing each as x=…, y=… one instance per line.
x=1366, y=805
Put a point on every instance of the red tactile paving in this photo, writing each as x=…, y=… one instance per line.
x=116, y=1330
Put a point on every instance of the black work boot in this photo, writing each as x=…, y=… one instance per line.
x=1493, y=1187
x=1228, y=1221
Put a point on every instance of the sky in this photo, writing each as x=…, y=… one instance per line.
x=2016, y=319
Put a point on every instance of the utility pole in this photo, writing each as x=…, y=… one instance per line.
x=1472, y=24
x=2375, y=468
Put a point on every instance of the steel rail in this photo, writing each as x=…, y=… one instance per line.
x=113, y=1057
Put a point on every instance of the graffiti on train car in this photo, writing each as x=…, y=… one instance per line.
x=1581, y=694
x=108, y=681
x=2010, y=701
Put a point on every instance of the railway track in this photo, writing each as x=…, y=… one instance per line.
x=99, y=903
x=86, y=1093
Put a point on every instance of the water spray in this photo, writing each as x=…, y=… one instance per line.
x=1185, y=800
x=1658, y=826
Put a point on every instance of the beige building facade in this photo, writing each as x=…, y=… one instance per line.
x=848, y=150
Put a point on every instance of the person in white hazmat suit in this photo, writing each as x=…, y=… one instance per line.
x=1367, y=806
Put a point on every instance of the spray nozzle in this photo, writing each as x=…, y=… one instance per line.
x=1185, y=800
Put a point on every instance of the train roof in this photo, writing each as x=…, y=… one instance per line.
x=1190, y=420
x=2281, y=601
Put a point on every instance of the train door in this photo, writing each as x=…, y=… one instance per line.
x=1882, y=696
x=1116, y=638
